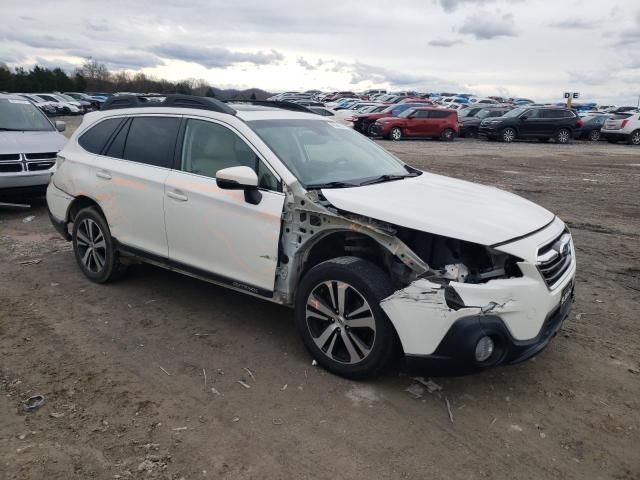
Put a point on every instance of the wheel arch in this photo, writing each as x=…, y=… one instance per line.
x=79, y=203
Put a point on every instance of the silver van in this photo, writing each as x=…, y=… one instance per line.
x=29, y=143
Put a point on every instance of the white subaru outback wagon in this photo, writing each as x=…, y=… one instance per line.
x=300, y=210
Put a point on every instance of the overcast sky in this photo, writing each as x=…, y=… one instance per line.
x=526, y=48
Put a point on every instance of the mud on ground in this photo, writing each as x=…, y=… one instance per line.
x=123, y=366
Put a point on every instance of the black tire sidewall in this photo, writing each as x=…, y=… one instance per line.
x=558, y=136
x=374, y=285
x=110, y=255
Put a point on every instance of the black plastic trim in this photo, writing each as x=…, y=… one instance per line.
x=174, y=101
x=198, y=272
x=59, y=225
x=456, y=353
x=294, y=107
x=515, y=239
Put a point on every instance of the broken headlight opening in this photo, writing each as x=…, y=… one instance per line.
x=459, y=261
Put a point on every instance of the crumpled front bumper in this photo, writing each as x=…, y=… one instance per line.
x=521, y=314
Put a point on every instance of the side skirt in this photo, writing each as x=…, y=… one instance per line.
x=195, y=272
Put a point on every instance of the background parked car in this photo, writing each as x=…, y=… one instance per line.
x=29, y=143
x=470, y=124
x=66, y=107
x=362, y=122
x=590, y=129
x=543, y=123
x=83, y=96
x=622, y=127
x=418, y=122
x=49, y=108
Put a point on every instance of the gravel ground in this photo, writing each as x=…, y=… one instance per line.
x=141, y=376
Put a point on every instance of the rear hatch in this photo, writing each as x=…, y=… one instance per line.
x=617, y=122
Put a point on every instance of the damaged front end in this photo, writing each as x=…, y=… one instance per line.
x=450, y=293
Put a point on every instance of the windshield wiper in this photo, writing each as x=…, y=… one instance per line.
x=337, y=184
x=386, y=178
x=11, y=129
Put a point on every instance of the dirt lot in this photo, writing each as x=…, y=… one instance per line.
x=123, y=366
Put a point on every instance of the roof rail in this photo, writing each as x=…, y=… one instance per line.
x=275, y=104
x=174, y=100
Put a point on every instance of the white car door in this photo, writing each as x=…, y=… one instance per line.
x=215, y=232
x=128, y=178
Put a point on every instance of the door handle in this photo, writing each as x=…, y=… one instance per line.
x=177, y=196
x=104, y=175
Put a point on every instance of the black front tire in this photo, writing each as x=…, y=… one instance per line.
x=374, y=285
x=447, y=135
x=103, y=265
x=563, y=136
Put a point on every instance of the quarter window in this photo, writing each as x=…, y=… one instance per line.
x=94, y=139
x=209, y=147
x=152, y=140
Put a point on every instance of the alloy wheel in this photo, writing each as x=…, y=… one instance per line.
x=396, y=134
x=92, y=245
x=341, y=322
x=635, y=137
x=509, y=135
x=594, y=136
x=563, y=136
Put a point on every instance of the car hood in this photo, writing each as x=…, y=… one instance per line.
x=444, y=206
x=31, y=142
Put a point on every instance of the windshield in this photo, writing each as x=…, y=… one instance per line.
x=66, y=97
x=488, y=113
x=319, y=152
x=22, y=115
x=516, y=112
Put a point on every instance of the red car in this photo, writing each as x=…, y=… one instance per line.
x=363, y=123
x=419, y=122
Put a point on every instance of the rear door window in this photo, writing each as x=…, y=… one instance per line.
x=437, y=114
x=95, y=139
x=152, y=140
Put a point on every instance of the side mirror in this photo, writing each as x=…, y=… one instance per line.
x=61, y=126
x=240, y=178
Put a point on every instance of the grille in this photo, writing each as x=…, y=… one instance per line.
x=10, y=167
x=38, y=166
x=9, y=157
x=40, y=156
x=555, y=258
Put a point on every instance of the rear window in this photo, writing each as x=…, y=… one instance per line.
x=94, y=139
x=152, y=140
x=620, y=116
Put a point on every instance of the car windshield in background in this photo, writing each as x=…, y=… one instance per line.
x=23, y=116
x=516, y=112
x=325, y=154
x=488, y=113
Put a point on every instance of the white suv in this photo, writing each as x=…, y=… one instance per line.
x=622, y=127
x=302, y=211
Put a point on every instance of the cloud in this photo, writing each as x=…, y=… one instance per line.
x=211, y=57
x=306, y=65
x=55, y=63
x=452, y=5
x=37, y=40
x=487, y=26
x=575, y=24
x=445, y=43
x=117, y=60
x=372, y=74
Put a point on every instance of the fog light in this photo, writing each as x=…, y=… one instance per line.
x=484, y=349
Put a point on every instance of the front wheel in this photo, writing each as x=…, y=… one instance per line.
x=634, y=138
x=563, y=135
x=339, y=318
x=447, y=135
x=395, y=134
x=594, y=135
x=94, y=248
x=508, y=135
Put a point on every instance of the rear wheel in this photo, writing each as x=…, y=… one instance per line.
x=594, y=135
x=94, y=248
x=563, y=135
x=369, y=130
x=508, y=135
x=395, y=134
x=634, y=138
x=447, y=135
x=340, y=320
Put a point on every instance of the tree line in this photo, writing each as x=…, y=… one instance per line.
x=93, y=76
